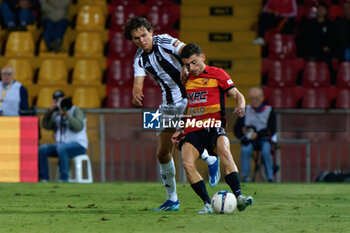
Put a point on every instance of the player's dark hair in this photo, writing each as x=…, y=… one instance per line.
x=189, y=50
x=135, y=23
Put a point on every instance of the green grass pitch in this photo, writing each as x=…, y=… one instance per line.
x=125, y=207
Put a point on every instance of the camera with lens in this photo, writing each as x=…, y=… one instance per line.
x=64, y=104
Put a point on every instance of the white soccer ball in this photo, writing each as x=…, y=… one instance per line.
x=224, y=202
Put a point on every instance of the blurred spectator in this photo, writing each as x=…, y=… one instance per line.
x=315, y=40
x=342, y=34
x=55, y=15
x=13, y=96
x=277, y=14
x=69, y=125
x=255, y=130
x=18, y=13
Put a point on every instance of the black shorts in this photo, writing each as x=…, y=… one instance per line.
x=204, y=139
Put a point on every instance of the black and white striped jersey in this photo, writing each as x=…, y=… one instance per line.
x=164, y=64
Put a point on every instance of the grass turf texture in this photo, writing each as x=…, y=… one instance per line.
x=125, y=207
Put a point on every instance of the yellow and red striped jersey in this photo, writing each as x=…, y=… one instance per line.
x=206, y=95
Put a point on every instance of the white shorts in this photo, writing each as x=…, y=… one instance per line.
x=172, y=112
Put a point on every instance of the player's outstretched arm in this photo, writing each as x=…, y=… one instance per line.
x=137, y=93
x=240, y=101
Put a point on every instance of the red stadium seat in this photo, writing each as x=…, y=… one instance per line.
x=282, y=47
x=119, y=47
x=119, y=97
x=335, y=12
x=120, y=15
x=120, y=73
x=161, y=18
x=316, y=98
x=316, y=74
x=283, y=98
x=343, y=100
x=282, y=74
x=153, y=97
x=343, y=76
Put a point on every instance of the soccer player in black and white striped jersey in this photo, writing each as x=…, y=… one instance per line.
x=159, y=56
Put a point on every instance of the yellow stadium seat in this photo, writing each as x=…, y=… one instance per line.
x=53, y=71
x=45, y=97
x=86, y=97
x=90, y=18
x=101, y=3
x=20, y=44
x=88, y=45
x=23, y=70
x=87, y=72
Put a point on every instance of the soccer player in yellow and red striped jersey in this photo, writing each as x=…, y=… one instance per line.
x=206, y=90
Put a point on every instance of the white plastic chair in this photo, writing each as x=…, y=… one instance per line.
x=78, y=163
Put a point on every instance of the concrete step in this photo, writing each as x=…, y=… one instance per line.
x=243, y=11
x=224, y=23
x=217, y=36
x=221, y=2
x=231, y=51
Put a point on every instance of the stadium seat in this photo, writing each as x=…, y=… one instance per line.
x=90, y=18
x=120, y=14
x=88, y=45
x=86, y=97
x=119, y=47
x=119, y=97
x=101, y=3
x=335, y=12
x=53, y=71
x=343, y=99
x=20, y=44
x=153, y=97
x=87, y=72
x=283, y=74
x=45, y=97
x=343, y=75
x=316, y=74
x=160, y=17
x=316, y=98
x=23, y=70
x=121, y=73
x=282, y=47
x=283, y=98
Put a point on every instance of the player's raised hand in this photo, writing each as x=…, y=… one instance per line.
x=137, y=99
x=239, y=111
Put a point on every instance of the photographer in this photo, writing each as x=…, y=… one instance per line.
x=255, y=130
x=69, y=125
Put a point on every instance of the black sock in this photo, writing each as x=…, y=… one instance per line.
x=232, y=180
x=201, y=191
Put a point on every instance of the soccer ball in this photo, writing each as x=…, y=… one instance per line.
x=224, y=202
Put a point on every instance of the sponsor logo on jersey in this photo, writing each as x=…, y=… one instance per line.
x=197, y=97
x=229, y=82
